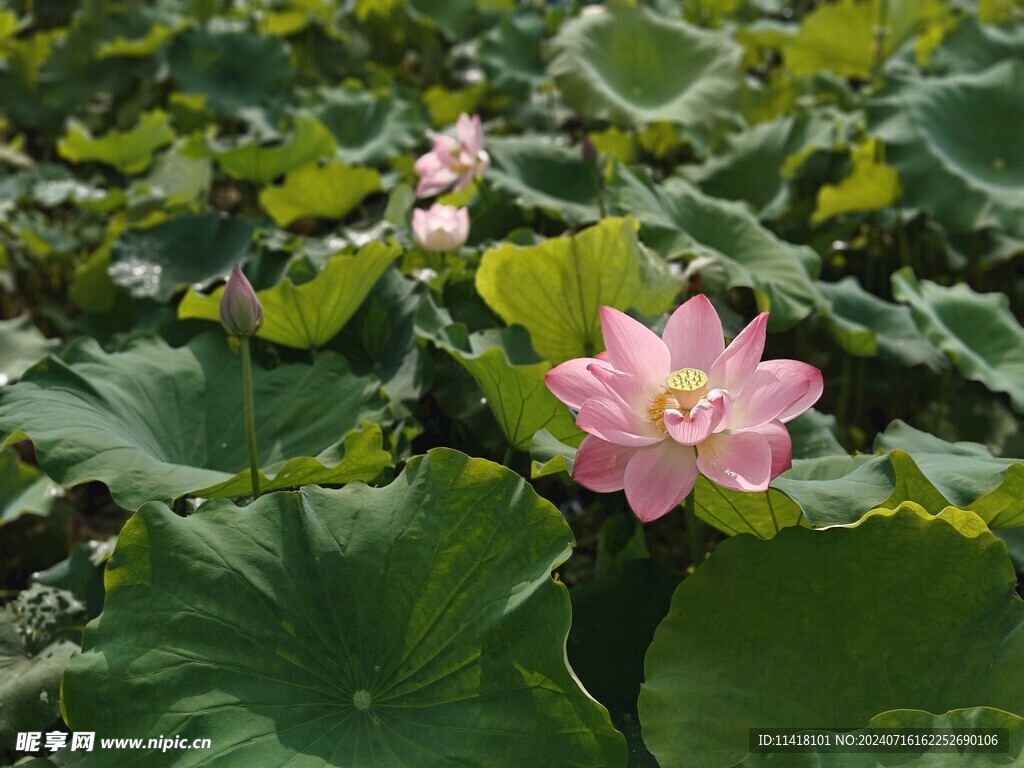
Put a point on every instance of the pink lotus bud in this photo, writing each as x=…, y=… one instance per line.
x=589, y=152
x=441, y=227
x=240, y=310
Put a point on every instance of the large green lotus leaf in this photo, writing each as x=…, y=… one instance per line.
x=904, y=720
x=556, y=288
x=362, y=626
x=750, y=167
x=154, y=422
x=308, y=315
x=763, y=514
x=128, y=151
x=631, y=66
x=232, y=70
x=510, y=54
x=308, y=141
x=966, y=475
x=370, y=128
x=29, y=683
x=21, y=345
x=836, y=490
x=510, y=376
x=328, y=191
x=188, y=250
x=917, y=466
x=543, y=174
x=24, y=490
x=972, y=46
x=977, y=331
x=678, y=218
x=865, y=325
x=823, y=629
x=840, y=37
x=955, y=142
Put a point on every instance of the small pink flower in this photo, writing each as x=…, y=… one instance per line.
x=441, y=228
x=241, y=313
x=453, y=161
x=658, y=411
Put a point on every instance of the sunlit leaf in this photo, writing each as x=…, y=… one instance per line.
x=129, y=151
x=308, y=141
x=327, y=191
x=556, y=289
x=841, y=37
x=870, y=186
x=308, y=315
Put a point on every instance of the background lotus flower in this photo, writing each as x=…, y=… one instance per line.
x=241, y=313
x=453, y=161
x=441, y=227
x=660, y=410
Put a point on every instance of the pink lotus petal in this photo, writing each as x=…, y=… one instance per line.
x=738, y=460
x=435, y=181
x=614, y=421
x=470, y=134
x=445, y=147
x=704, y=418
x=694, y=336
x=601, y=466
x=739, y=361
x=776, y=388
x=780, y=443
x=794, y=368
x=658, y=478
x=634, y=348
x=624, y=386
x=572, y=382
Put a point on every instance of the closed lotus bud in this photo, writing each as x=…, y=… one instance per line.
x=441, y=228
x=240, y=311
x=589, y=151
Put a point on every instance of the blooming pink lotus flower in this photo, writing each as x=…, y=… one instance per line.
x=658, y=411
x=241, y=313
x=441, y=227
x=453, y=161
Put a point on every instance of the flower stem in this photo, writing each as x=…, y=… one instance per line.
x=695, y=540
x=250, y=416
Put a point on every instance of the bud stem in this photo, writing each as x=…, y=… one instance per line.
x=250, y=416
